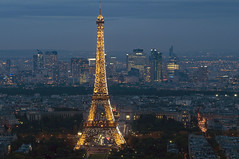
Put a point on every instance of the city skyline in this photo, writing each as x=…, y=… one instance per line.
x=173, y=96
x=188, y=25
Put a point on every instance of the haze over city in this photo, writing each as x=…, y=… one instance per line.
x=190, y=25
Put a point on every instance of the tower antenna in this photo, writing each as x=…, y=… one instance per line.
x=100, y=6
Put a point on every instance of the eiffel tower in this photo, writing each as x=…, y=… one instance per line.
x=101, y=129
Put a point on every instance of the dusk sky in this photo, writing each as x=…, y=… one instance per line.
x=70, y=24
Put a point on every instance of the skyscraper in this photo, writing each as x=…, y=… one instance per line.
x=51, y=59
x=111, y=66
x=38, y=62
x=79, y=70
x=156, y=64
x=8, y=75
x=171, y=54
x=147, y=74
x=51, y=66
x=64, y=72
x=136, y=60
x=172, y=65
x=92, y=65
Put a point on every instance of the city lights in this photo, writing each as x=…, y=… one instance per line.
x=157, y=80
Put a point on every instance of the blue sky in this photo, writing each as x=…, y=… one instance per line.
x=190, y=25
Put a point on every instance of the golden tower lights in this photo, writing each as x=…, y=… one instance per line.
x=103, y=124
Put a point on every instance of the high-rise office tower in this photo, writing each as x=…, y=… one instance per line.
x=156, y=64
x=79, y=70
x=51, y=66
x=171, y=52
x=111, y=66
x=64, y=72
x=92, y=64
x=51, y=59
x=147, y=74
x=136, y=60
x=38, y=62
x=172, y=65
x=8, y=75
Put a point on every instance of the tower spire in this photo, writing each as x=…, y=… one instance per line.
x=100, y=6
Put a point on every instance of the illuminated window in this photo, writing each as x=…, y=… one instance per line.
x=127, y=117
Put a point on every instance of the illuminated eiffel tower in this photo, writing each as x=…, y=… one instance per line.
x=101, y=129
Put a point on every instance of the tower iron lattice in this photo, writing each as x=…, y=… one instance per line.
x=100, y=129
